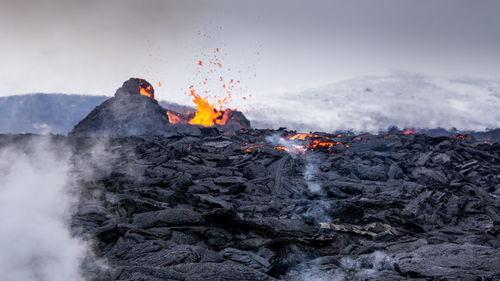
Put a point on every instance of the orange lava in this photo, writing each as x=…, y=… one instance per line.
x=206, y=113
x=302, y=136
x=297, y=149
x=251, y=148
x=148, y=91
x=309, y=142
x=409, y=131
x=172, y=118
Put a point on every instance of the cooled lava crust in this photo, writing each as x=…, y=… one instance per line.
x=233, y=207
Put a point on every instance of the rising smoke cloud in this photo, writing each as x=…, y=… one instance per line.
x=36, y=203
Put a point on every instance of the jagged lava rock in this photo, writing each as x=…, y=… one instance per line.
x=232, y=207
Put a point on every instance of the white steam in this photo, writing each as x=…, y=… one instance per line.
x=367, y=266
x=35, y=208
x=312, y=162
x=363, y=267
x=374, y=103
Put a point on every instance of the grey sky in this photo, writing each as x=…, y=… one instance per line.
x=91, y=47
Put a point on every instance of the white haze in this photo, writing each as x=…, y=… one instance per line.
x=374, y=103
x=35, y=208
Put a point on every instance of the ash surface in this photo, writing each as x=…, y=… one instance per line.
x=233, y=207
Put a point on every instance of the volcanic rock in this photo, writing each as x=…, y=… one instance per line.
x=234, y=207
x=235, y=120
x=127, y=113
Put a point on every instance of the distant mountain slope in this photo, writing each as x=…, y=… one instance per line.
x=44, y=113
x=51, y=113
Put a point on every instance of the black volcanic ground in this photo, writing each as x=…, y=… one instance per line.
x=211, y=207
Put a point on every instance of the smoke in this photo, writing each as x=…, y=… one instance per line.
x=375, y=103
x=37, y=197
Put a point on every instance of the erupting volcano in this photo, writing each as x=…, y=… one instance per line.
x=208, y=115
x=135, y=111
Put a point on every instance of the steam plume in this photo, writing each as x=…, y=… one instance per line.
x=35, y=207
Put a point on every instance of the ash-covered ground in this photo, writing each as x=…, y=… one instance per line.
x=218, y=206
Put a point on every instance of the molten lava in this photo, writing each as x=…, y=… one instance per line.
x=310, y=142
x=148, y=91
x=173, y=118
x=300, y=144
x=206, y=114
x=409, y=131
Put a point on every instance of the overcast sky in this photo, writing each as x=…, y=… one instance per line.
x=91, y=47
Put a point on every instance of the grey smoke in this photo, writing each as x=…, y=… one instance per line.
x=36, y=202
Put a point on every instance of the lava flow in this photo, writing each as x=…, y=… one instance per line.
x=310, y=142
x=409, y=131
